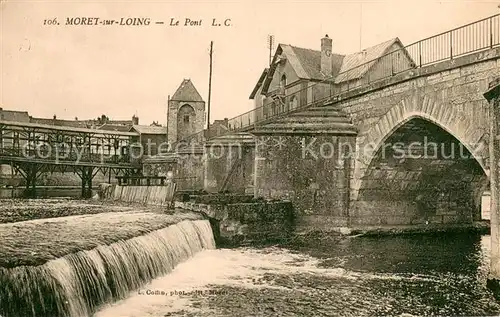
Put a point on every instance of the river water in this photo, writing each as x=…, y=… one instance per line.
x=358, y=276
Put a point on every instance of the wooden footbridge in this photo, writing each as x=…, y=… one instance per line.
x=33, y=149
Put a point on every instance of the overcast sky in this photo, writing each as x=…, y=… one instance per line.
x=85, y=71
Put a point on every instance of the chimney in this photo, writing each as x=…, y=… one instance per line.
x=363, y=54
x=54, y=117
x=135, y=120
x=326, y=55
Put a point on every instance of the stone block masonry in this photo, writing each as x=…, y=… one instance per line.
x=376, y=185
x=247, y=223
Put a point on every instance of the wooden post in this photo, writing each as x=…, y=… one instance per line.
x=493, y=97
x=87, y=175
x=209, y=86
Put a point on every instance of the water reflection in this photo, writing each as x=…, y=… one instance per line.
x=419, y=254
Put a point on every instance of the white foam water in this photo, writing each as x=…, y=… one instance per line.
x=76, y=284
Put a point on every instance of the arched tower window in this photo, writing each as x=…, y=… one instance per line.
x=186, y=119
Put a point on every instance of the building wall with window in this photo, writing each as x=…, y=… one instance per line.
x=186, y=113
x=283, y=69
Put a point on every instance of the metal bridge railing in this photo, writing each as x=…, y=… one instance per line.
x=476, y=36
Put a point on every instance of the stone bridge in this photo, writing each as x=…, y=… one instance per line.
x=410, y=149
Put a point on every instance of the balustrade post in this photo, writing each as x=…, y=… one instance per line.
x=451, y=45
x=420, y=52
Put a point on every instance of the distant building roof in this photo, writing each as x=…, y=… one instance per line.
x=186, y=92
x=13, y=115
x=59, y=122
x=62, y=128
x=115, y=127
x=147, y=129
x=122, y=122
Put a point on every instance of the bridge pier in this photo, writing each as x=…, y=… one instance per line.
x=493, y=97
x=31, y=175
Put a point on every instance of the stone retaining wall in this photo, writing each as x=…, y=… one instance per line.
x=242, y=223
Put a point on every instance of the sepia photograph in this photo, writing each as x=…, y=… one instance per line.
x=249, y=158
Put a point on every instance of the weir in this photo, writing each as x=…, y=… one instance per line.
x=78, y=283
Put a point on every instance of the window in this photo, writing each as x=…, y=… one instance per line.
x=186, y=118
x=283, y=84
x=293, y=102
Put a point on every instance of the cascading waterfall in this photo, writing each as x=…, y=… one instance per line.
x=76, y=284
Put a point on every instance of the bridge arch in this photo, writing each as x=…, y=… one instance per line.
x=424, y=116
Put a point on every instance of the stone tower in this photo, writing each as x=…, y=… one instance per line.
x=186, y=112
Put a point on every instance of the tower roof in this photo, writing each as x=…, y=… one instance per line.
x=186, y=92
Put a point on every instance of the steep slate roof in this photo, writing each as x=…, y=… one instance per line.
x=186, y=92
x=147, y=129
x=307, y=62
x=356, y=65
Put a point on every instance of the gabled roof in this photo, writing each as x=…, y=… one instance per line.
x=259, y=83
x=147, y=129
x=307, y=62
x=356, y=65
x=186, y=92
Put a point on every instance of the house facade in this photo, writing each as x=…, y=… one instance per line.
x=299, y=76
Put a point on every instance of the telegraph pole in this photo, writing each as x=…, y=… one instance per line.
x=360, y=25
x=210, y=85
x=270, y=43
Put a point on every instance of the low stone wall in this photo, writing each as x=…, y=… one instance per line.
x=245, y=223
x=149, y=195
x=222, y=199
